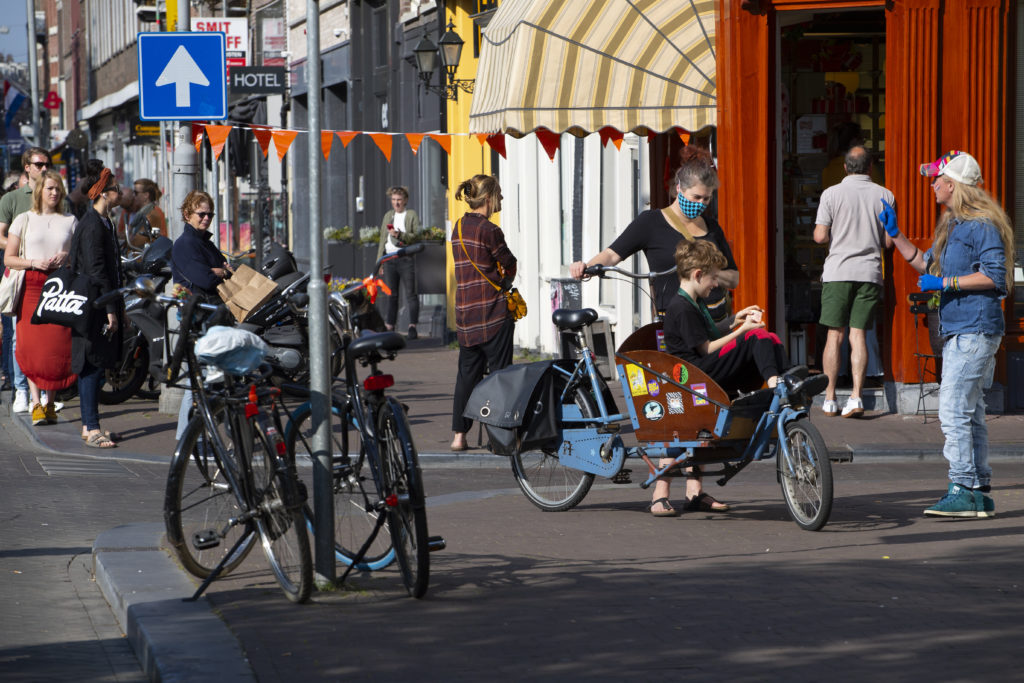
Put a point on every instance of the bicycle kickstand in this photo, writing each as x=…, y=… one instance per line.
x=219, y=568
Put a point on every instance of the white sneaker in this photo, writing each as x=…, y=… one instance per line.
x=853, y=408
x=20, y=402
x=830, y=408
x=57, y=405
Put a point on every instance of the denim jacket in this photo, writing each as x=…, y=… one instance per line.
x=973, y=246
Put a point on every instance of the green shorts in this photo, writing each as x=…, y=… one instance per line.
x=849, y=304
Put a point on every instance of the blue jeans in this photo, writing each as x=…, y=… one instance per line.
x=19, y=378
x=7, y=347
x=89, y=381
x=968, y=363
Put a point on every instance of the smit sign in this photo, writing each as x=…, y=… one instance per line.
x=182, y=76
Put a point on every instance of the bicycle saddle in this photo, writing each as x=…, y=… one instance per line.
x=572, y=319
x=382, y=341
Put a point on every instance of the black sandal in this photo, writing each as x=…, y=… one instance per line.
x=668, y=512
x=702, y=502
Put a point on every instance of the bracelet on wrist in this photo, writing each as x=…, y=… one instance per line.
x=914, y=255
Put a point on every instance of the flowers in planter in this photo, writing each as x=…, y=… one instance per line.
x=431, y=234
x=369, y=235
x=333, y=234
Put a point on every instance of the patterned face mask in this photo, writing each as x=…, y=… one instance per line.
x=691, y=209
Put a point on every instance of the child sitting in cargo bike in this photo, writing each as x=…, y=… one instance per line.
x=739, y=360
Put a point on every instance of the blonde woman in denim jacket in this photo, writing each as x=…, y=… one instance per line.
x=970, y=264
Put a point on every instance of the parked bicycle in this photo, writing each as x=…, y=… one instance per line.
x=230, y=480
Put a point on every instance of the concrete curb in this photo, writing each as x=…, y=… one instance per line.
x=173, y=640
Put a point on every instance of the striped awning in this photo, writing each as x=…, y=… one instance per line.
x=635, y=65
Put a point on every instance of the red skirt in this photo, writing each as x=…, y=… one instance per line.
x=43, y=352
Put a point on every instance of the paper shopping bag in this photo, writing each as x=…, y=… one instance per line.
x=246, y=291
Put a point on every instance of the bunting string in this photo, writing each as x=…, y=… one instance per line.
x=282, y=138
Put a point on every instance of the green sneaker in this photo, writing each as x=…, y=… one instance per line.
x=985, y=506
x=958, y=502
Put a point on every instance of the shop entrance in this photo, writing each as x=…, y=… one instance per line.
x=831, y=97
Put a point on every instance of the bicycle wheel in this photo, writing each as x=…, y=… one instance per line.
x=403, y=491
x=280, y=522
x=198, y=503
x=354, y=490
x=806, y=477
x=541, y=476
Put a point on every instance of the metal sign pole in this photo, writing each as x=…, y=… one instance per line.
x=319, y=374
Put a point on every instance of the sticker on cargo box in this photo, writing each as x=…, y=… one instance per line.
x=701, y=390
x=675, y=403
x=653, y=411
x=637, y=381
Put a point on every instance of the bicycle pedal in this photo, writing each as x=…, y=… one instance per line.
x=435, y=543
x=623, y=477
x=205, y=539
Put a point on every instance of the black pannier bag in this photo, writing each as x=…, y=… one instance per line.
x=519, y=407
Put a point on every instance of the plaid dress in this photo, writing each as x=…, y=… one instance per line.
x=480, y=309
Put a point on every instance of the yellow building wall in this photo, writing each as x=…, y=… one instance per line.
x=468, y=156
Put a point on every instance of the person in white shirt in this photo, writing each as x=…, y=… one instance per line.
x=398, y=228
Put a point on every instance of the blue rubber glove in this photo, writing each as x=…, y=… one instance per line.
x=888, y=218
x=929, y=283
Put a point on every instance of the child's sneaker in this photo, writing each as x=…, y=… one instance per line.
x=853, y=408
x=958, y=502
x=830, y=408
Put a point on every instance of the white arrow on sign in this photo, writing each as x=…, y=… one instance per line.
x=182, y=71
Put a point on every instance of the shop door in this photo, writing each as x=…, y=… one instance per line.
x=831, y=97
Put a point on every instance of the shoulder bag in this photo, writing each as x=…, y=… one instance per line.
x=13, y=281
x=66, y=298
x=515, y=301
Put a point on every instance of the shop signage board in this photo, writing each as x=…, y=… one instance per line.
x=144, y=131
x=258, y=80
x=236, y=36
x=182, y=76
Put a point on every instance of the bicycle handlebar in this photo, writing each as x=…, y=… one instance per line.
x=404, y=251
x=602, y=271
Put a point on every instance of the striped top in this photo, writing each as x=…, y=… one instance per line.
x=480, y=309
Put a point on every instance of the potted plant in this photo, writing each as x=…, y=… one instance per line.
x=340, y=256
x=431, y=270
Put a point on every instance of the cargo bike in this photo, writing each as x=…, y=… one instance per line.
x=559, y=422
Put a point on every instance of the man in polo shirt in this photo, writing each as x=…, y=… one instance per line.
x=13, y=204
x=852, y=276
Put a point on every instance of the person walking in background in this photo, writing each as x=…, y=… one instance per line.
x=136, y=226
x=94, y=252
x=35, y=160
x=970, y=263
x=399, y=225
x=196, y=262
x=483, y=323
x=852, y=274
x=11, y=183
x=44, y=354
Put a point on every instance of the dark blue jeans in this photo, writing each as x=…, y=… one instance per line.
x=90, y=379
x=7, y=347
x=400, y=274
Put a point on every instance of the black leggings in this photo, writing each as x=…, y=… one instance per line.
x=746, y=362
x=494, y=354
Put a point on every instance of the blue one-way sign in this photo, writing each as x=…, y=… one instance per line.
x=182, y=76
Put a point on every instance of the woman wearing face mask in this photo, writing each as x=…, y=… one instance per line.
x=657, y=232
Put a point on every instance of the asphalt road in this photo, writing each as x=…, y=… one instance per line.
x=601, y=592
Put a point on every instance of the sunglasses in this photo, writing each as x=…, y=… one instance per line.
x=204, y=214
x=40, y=164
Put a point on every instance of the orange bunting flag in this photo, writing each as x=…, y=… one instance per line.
x=198, y=135
x=345, y=136
x=549, y=141
x=326, y=138
x=383, y=142
x=415, y=139
x=444, y=140
x=608, y=133
x=497, y=143
x=263, y=135
x=282, y=141
x=684, y=135
x=218, y=136
x=481, y=138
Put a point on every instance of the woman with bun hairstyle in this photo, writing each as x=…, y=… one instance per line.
x=483, y=323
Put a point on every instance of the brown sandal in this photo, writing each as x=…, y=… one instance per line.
x=99, y=440
x=669, y=511
x=702, y=502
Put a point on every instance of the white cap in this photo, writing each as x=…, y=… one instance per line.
x=960, y=166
